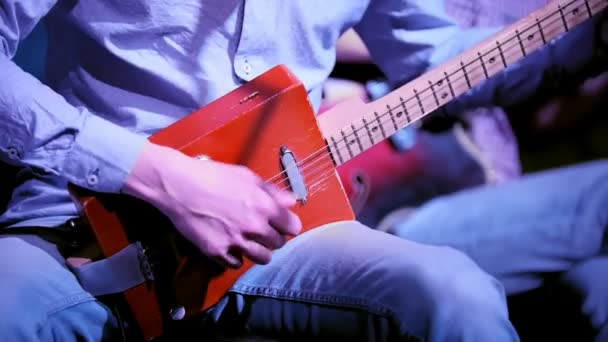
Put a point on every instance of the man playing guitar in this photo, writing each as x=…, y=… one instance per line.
x=123, y=74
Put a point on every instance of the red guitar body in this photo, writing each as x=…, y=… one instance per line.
x=379, y=171
x=253, y=126
x=248, y=126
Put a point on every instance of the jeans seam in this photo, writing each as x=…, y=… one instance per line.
x=64, y=303
x=315, y=297
x=324, y=299
x=69, y=301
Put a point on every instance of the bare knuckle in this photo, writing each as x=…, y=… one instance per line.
x=265, y=210
x=258, y=225
x=246, y=205
x=247, y=173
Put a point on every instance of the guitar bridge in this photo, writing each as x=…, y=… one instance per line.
x=293, y=174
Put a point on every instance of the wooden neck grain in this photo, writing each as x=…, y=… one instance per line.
x=380, y=119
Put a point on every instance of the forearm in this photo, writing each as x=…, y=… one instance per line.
x=43, y=131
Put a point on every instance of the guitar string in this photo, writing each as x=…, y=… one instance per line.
x=321, y=180
x=315, y=179
x=547, y=29
x=342, y=148
x=326, y=169
x=444, y=87
x=318, y=183
x=331, y=164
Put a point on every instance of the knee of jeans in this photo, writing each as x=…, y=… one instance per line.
x=466, y=292
x=592, y=210
x=453, y=285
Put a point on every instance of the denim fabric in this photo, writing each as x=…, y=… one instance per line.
x=41, y=300
x=342, y=281
x=348, y=282
x=544, y=223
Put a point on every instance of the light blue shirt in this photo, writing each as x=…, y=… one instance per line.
x=118, y=71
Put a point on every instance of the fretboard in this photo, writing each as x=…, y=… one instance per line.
x=425, y=94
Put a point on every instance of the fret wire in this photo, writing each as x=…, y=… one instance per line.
x=500, y=50
x=483, y=65
x=499, y=46
x=380, y=125
x=520, y=41
x=407, y=113
x=447, y=78
x=502, y=55
x=561, y=13
x=466, y=76
x=464, y=72
x=423, y=103
x=369, y=132
x=335, y=143
x=434, y=93
x=419, y=102
x=355, y=131
x=463, y=83
x=444, y=93
x=588, y=8
x=350, y=152
x=540, y=29
x=521, y=44
x=390, y=113
x=464, y=66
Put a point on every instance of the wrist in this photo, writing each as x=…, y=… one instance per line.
x=145, y=179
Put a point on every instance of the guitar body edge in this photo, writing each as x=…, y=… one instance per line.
x=248, y=126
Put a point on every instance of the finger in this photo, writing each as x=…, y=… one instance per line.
x=228, y=260
x=286, y=222
x=283, y=198
x=268, y=236
x=217, y=251
x=264, y=201
x=256, y=252
x=233, y=259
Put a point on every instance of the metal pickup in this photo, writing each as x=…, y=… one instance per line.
x=294, y=176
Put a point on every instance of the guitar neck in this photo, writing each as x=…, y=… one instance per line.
x=434, y=89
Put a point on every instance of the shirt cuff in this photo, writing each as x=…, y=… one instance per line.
x=102, y=156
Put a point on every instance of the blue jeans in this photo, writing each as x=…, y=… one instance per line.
x=343, y=281
x=545, y=223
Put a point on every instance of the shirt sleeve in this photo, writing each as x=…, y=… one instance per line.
x=407, y=37
x=41, y=130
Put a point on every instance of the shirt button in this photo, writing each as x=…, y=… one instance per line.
x=92, y=179
x=247, y=68
x=13, y=153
